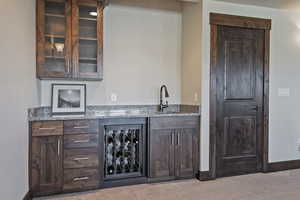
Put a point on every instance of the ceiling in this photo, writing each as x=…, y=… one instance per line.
x=280, y=4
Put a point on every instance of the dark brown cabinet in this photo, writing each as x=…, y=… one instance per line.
x=70, y=39
x=173, y=148
x=46, y=162
x=64, y=156
x=79, y=155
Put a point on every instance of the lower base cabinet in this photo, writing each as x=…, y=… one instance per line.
x=81, y=155
x=173, y=148
x=70, y=156
x=46, y=167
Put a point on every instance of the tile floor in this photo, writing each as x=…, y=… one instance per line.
x=273, y=186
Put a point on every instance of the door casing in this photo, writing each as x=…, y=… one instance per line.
x=242, y=22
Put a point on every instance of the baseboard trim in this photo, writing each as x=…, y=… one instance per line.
x=27, y=196
x=284, y=165
x=204, y=176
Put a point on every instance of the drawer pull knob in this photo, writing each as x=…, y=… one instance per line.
x=81, y=179
x=81, y=127
x=78, y=159
x=81, y=141
x=46, y=129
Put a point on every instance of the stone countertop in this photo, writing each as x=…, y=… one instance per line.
x=104, y=112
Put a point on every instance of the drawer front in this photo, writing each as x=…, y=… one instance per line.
x=81, y=141
x=81, y=158
x=174, y=122
x=81, y=126
x=48, y=128
x=80, y=179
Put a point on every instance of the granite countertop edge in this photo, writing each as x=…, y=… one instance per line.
x=65, y=117
x=95, y=113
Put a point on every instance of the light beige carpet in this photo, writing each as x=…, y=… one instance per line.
x=274, y=186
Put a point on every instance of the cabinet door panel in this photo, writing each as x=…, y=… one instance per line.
x=53, y=39
x=161, y=154
x=46, y=165
x=186, y=153
x=87, y=39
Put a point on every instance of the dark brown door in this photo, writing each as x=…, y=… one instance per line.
x=239, y=100
x=46, y=165
x=162, y=156
x=186, y=153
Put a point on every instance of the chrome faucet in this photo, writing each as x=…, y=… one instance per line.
x=163, y=105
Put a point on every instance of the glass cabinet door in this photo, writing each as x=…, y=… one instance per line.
x=87, y=24
x=53, y=44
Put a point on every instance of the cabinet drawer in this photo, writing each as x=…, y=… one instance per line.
x=80, y=179
x=80, y=158
x=81, y=141
x=48, y=128
x=177, y=122
x=81, y=126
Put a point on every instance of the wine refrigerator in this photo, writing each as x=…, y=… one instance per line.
x=124, y=151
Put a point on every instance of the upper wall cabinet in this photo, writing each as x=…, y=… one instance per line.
x=70, y=39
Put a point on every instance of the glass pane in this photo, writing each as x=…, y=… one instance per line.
x=87, y=49
x=88, y=39
x=87, y=29
x=88, y=12
x=55, y=8
x=55, y=26
x=88, y=66
x=122, y=150
x=55, y=29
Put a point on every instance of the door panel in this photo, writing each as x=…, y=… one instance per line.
x=239, y=100
x=239, y=139
x=46, y=165
x=239, y=83
x=162, y=154
x=185, y=154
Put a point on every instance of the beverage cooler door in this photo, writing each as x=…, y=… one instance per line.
x=123, y=151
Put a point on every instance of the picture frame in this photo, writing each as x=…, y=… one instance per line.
x=68, y=99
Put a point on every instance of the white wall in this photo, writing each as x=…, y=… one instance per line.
x=284, y=73
x=191, y=53
x=18, y=89
x=142, y=50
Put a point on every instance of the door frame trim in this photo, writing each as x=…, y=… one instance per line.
x=216, y=20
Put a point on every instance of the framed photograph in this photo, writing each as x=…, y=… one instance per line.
x=68, y=99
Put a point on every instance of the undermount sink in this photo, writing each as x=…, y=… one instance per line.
x=119, y=112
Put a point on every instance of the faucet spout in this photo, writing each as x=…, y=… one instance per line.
x=166, y=93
